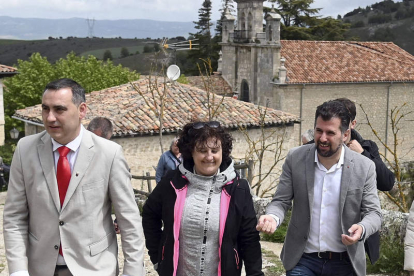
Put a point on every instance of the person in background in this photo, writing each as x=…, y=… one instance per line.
x=64, y=184
x=102, y=127
x=385, y=177
x=307, y=136
x=409, y=243
x=169, y=161
x=200, y=219
x=335, y=201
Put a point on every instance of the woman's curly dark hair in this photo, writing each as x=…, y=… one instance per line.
x=190, y=138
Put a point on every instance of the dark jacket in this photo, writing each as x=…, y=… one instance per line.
x=385, y=182
x=385, y=177
x=240, y=240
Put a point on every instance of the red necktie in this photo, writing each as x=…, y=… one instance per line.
x=63, y=177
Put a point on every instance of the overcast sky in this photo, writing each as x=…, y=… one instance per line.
x=165, y=10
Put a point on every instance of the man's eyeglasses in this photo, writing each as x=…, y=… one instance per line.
x=212, y=124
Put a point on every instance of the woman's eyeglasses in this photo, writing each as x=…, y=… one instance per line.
x=212, y=124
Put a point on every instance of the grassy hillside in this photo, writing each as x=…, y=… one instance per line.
x=11, y=51
x=384, y=21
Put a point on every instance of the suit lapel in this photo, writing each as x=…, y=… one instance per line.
x=310, y=174
x=45, y=152
x=347, y=171
x=83, y=160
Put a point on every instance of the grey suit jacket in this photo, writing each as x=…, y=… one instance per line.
x=359, y=202
x=35, y=224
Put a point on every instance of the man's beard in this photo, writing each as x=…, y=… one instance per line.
x=328, y=153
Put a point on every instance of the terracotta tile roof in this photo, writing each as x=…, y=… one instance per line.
x=132, y=116
x=7, y=69
x=346, y=61
x=217, y=85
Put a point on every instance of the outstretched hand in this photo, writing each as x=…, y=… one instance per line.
x=266, y=224
x=355, y=233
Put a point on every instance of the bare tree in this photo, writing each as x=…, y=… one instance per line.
x=157, y=88
x=214, y=102
x=270, y=142
x=398, y=115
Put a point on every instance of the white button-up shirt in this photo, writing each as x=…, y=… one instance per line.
x=325, y=228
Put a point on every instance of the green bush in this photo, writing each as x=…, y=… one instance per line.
x=358, y=24
x=7, y=151
x=280, y=234
x=183, y=79
x=391, y=260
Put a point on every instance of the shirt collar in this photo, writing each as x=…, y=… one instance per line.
x=340, y=162
x=73, y=145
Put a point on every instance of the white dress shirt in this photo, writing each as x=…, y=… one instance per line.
x=325, y=227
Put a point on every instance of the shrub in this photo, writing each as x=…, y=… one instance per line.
x=391, y=260
x=107, y=55
x=358, y=24
x=182, y=79
x=124, y=52
x=379, y=19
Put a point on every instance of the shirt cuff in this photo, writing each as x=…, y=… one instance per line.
x=363, y=232
x=276, y=219
x=20, y=273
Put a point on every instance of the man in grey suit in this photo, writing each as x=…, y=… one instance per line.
x=335, y=201
x=63, y=183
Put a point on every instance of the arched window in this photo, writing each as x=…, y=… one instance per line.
x=250, y=25
x=244, y=91
x=243, y=22
x=270, y=34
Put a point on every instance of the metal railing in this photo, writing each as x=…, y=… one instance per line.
x=241, y=36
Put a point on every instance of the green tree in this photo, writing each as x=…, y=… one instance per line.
x=148, y=48
x=300, y=22
x=107, y=55
x=124, y=52
x=203, y=35
x=26, y=88
x=226, y=5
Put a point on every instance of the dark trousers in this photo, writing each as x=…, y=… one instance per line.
x=62, y=270
x=313, y=266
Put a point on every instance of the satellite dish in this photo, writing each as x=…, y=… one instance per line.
x=173, y=72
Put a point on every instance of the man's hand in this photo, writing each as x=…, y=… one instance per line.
x=266, y=224
x=355, y=233
x=411, y=273
x=355, y=146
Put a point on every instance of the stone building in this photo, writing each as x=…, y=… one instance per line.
x=297, y=76
x=5, y=71
x=136, y=127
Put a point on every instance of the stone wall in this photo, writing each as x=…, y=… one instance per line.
x=142, y=153
x=302, y=100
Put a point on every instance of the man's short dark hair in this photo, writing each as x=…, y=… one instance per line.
x=103, y=124
x=334, y=109
x=350, y=106
x=78, y=93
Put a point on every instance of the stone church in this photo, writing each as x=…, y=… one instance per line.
x=297, y=76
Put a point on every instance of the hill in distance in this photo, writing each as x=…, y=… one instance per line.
x=35, y=28
x=384, y=21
